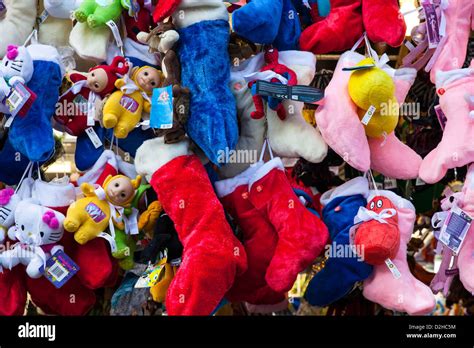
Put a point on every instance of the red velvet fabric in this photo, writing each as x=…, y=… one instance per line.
x=259, y=240
x=378, y=241
x=383, y=21
x=338, y=31
x=212, y=255
x=165, y=8
x=142, y=23
x=302, y=235
x=13, y=291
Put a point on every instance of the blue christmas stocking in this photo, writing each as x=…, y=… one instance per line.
x=203, y=51
x=343, y=268
x=32, y=135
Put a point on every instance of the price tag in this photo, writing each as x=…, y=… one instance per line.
x=454, y=230
x=419, y=182
x=368, y=115
x=161, y=115
x=389, y=183
x=18, y=97
x=44, y=16
x=432, y=24
x=305, y=94
x=93, y=137
x=152, y=275
x=59, y=269
x=441, y=116
x=116, y=32
x=393, y=268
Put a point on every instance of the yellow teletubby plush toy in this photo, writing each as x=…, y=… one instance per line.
x=373, y=87
x=88, y=216
x=123, y=110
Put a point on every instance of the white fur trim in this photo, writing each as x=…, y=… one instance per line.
x=132, y=49
x=399, y=202
x=356, y=186
x=46, y=53
x=406, y=74
x=191, y=12
x=93, y=174
x=247, y=67
x=61, y=9
x=444, y=78
x=265, y=169
x=154, y=153
x=51, y=194
x=126, y=168
x=298, y=58
x=225, y=187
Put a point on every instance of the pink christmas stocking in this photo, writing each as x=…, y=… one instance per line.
x=399, y=292
x=456, y=148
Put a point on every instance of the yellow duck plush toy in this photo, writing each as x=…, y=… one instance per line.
x=123, y=110
x=88, y=216
x=372, y=86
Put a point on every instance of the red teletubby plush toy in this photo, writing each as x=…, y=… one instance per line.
x=272, y=64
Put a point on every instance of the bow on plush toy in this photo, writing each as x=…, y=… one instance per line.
x=38, y=231
x=273, y=72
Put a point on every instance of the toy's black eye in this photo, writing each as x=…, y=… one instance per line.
x=145, y=73
x=451, y=199
x=123, y=195
x=42, y=234
x=153, y=83
x=96, y=85
x=372, y=205
x=379, y=203
x=93, y=75
x=117, y=184
x=22, y=227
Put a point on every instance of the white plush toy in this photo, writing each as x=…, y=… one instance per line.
x=38, y=231
x=61, y=8
x=17, y=65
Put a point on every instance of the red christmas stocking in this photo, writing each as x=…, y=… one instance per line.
x=212, y=256
x=302, y=235
x=383, y=21
x=259, y=239
x=338, y=31
x=13, y=290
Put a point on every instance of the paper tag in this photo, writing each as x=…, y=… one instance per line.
x=152, y=275
x=441, y=116
x=116, y=32
x=161, y=115
x=304, y=94
x=9, y=122
x=432, y=23
x=359, y=67
x=454, y=229
x=91, y=109
x=419, y=182
x=18, y=97
x=59, y=269
x=393, y=269
x=389, y=183
x=110, y=239
x=368, y=115
x=93, y=137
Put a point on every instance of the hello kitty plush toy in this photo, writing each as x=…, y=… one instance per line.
x=16, y=66
x=8, y=202
x=38, y=231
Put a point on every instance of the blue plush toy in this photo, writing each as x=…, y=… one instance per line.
x=344, y=266
x=32, y=135
x=269, y=22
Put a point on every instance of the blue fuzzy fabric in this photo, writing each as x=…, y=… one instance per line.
x=134, y=140
x=12, y=166
x=203, y=51
x=32, y=135
x=340, y=274
x=259, y=20
x=289, y=32
x=86, y=153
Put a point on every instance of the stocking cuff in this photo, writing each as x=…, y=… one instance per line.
x=356, y=186
x=225, y=187
x=445, y=78
x=196, y=11
x=46, y=53
x=247, y=67
x=275, y=163
x=303, y=58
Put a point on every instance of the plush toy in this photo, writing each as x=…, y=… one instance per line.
x=8, y=202
x=98, y=12
x=16, y=25
x=17, y=65
x=203, y=29
x=38, y=231
x=88, y=216
x=377, y=238
x=374, y=87
x=120, y=192
x=269, y=22
x=60, y=8
x=344, y=132
x=91, y=88
x=123, y=110
x=163, y=39
x=280, y=74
